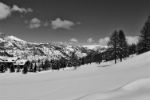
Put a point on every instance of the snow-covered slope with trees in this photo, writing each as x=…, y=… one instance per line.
x=127, y=80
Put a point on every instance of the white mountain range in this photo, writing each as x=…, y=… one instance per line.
x=13, y=46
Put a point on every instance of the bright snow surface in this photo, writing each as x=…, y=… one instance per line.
x=128, y=80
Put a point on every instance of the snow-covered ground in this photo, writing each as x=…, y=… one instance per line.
x=128, y=80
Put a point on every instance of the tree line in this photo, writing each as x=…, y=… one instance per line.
x=119, y=48
x=55, y=64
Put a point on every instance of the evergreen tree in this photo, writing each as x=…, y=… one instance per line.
x=83, y=60
x=114, y=44
x=132, y=49
x=25, y=70
x=27, y=66
x=97, y=57
x=41, y=66
x=62, y=62
x=144, y=42
x=74, y=60
x=2, y=68
x=31, y=67
x=55, y=65
x=123, y=46
x=12, y=69
x=35, y=68
x=46, y=65
x=18, y=68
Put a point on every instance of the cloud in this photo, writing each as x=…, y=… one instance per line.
x=21, y=10
x=132, y=39
x=104, y=41
x=34, y=23
x=56, y=24
x=74, y=40
x=6, y=11
x=90, y=40
x=63, y=24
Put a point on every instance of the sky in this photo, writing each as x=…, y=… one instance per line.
x=80, y=21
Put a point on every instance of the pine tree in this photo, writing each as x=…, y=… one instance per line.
x=41, y=66
x=144, y=42
x=35, y=68
x=28, y=64
x=2, y=69
x=31, y=67
x=74, y=60
x=18, y=68
x=132, y=49
x=12, y=69
x=62, y=62
x=25, y=70
x=114, y=44
x=123, y=46
x=97, y=57
x=46, y=64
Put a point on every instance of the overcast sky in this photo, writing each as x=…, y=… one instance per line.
x=84, y=21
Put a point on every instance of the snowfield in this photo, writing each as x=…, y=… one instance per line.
x=127, y=80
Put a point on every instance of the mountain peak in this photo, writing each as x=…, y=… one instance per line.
x=14, y=38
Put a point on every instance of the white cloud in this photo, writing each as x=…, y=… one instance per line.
x=104, y=41
x=21, y=10
x=6, y=11
x=63, y=24
x=34, y=23
x=132, y=39
x=74, y=40
x=90, y=40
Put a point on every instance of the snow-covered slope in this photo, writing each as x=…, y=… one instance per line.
x=128, y=80
x=12, y=42
x=136, y=90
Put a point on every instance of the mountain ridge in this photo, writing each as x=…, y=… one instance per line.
x=28, y=50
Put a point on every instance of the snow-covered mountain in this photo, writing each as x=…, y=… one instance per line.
x=11, y=42
x=20, y=48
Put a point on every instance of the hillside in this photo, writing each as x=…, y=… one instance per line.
x=128, y=80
